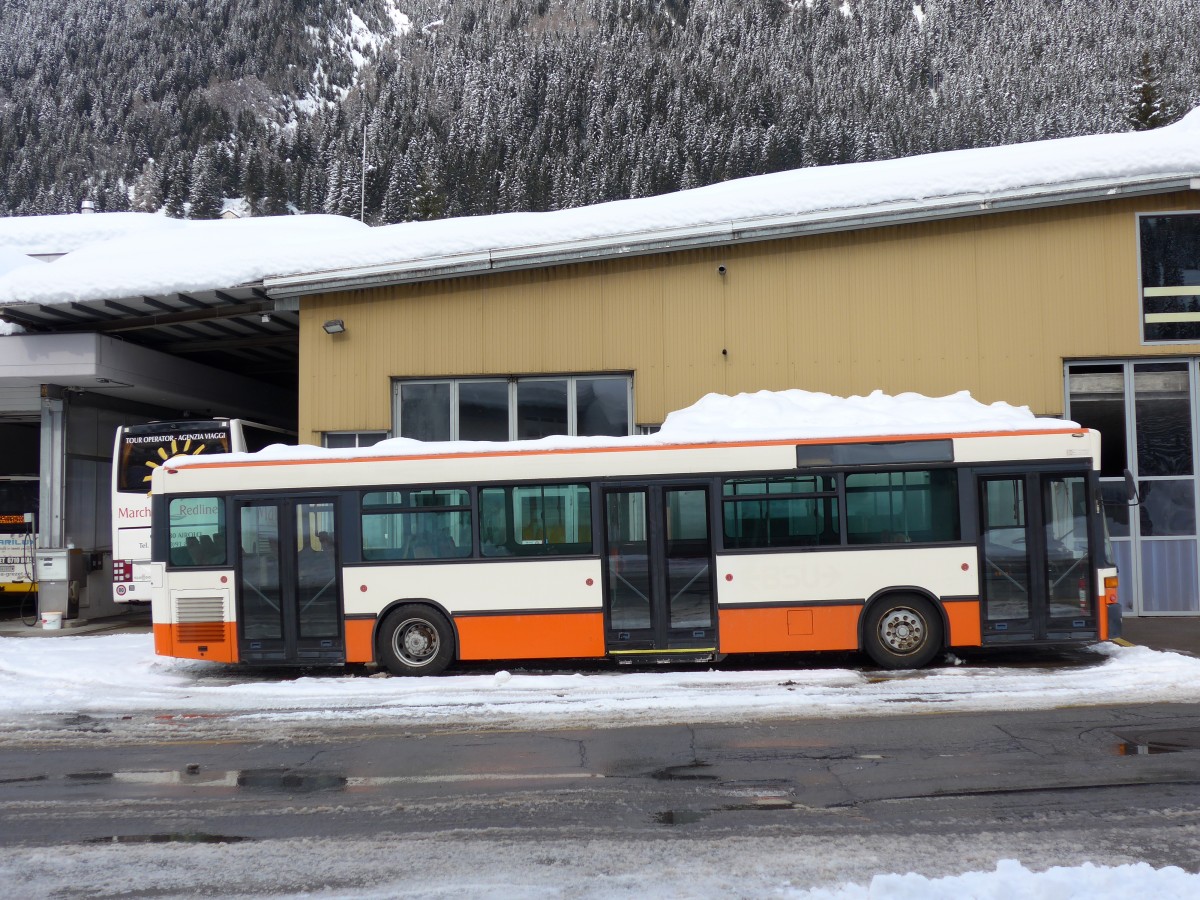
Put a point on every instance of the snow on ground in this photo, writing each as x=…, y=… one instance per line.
x=677, y=868
x=112, y=674
x=206, y=256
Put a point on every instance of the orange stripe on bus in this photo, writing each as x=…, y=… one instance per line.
x=963, y=618
x=215, y=641
x=786, y=629
x=532, y=636
x=861, y=439
x=360, y=644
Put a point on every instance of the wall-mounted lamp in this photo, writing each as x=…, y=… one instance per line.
x=334, y=326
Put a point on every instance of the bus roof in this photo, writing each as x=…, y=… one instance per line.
x=760, y=419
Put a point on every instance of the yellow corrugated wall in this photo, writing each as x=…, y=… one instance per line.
x=992, y=304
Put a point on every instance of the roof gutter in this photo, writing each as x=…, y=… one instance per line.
x=714, y=234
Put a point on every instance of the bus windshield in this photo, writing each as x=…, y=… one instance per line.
x=143, y=448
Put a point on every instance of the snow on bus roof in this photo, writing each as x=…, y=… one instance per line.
x=718, y=418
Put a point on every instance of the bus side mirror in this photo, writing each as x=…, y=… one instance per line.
x=1132, y=497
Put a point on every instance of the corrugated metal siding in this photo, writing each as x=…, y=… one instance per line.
x=990, y=304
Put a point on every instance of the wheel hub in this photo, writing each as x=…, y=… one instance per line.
x=902, y=631
x=417, y=642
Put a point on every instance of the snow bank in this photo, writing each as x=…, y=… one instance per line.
x=202, y=255
x=1013, y=880
x=114, y=674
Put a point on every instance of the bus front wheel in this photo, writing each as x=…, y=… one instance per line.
x=902, y=632
x=415, y=640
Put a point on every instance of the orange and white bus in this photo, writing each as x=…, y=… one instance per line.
x=899, y=546
x=137, y=451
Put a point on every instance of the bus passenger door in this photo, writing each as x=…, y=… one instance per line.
x=289, y=590
x=658, y=591
x=1036, y=558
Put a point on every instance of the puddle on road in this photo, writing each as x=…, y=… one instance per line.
x=690, y=772
x=286, y=782
x=179, y=837
x=690, y=816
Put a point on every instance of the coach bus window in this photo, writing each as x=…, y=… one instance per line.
x=902, y=507
x=197, y=531
x=794, y=511
x=535, y=520
x=421, y=524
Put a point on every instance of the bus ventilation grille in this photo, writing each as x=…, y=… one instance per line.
x=201, y=619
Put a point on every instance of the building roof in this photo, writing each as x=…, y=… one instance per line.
x=135, y=256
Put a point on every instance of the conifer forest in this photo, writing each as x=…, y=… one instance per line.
x=398, y=110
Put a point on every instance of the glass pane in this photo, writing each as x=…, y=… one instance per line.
x=627, y=561
x=433, y=498
x=494, y=531
x=261, y=615
x=902, y=507
x=1005, y=555
x=1167, y=507
x=689, y=583
x=417, y=535
x=792, y=522
x=483, y=410
x=538, y=520
x=316, y=571
x=1116, y=507
x=1170, y=257
x=1098, y=402
x=541, y=408
x=1068, y=560
x=602, y=406
x=197, y=531
x=1164, y=419
x=793, y=484
x=340, y=440
x=1169, y=577
x=425, y=411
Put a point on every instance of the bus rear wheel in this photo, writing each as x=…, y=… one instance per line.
x=902, y=632
x=415, y=640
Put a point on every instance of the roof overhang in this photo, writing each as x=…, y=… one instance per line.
x=237, y=328
x=640, y=243
x=99, y=364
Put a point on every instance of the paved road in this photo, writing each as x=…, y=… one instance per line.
x=1118, y=777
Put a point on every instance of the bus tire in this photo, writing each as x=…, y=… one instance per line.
x=902, y=632
x=415, y=640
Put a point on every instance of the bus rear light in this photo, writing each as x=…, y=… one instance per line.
x=122, y=570
x=1110, y=590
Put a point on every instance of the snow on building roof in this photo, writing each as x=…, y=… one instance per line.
x=53, y=235
x=293, y=255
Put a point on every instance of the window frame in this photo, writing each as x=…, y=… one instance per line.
x=1142, y=288
x=513, y=382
